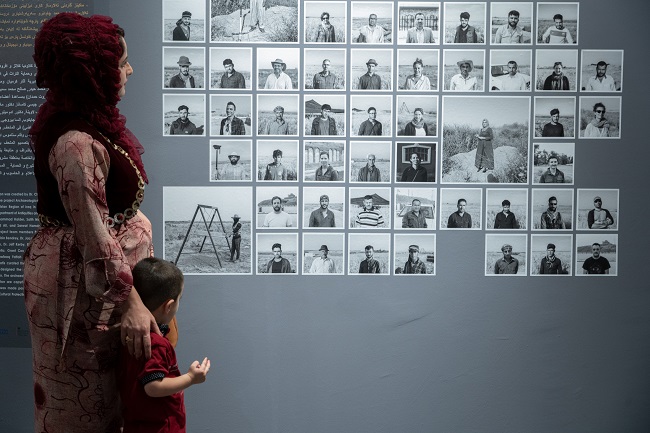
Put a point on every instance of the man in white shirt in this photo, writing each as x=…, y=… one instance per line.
x=601, y=82
x=278, y=218
x=278, y=79
x=514, y=81
x=323, y=264
x=371, y=33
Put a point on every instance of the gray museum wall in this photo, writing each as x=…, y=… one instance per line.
x=457, y=352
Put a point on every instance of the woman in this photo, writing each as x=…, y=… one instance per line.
x=326, y=32
x=484, y=159
x=557, y=80
x=417, y=126
x=599, y=126
x=417, y=81
x=90, y=182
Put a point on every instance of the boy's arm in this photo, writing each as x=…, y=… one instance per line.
x=171, y=385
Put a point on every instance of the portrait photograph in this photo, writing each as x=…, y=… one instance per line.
x=206, y=231
x=463, y=70
x=325, y=115
x=325, y=69
x=555, y=117
x=417, y=116
x=556, y=70
x=551, y=209
x=465, y=23
x=184, y=68
x=417, y=70
x=371, y=115
x=510, y=70
x=414, y=254
x=601, y=71
x=372, y=23
x=277, y=160
x=600, y=117
x=553, y=163
x=277, y=253
x=323, y=253
x=183, y=115
x=183, y=21
x=485, y=139
x=275, y=73
x=415, y=162
x=596, y=254
x=418, y=23
x=506, y=255
x=277, y=207
x=506, y=209
x=371, y=69
x=551, y=255
x=557, y=23
x=598, y=209
x=370, y=161
x=511, y=23
x=369, y=253
x=277, y=114
x=415, y=208
x=461, y=208
x=370, y=208
x=230, y=160
x=231, y=68
x=231, y=115
x=324, y=161
x=254, y=21
x=325, y=21
x=323, y=208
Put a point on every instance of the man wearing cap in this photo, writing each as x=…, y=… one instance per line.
x=326, y=32
x=599, y=218
x=322, y=217
x=419, y=34
x=371, y=33
x=182, y=30
x=369, y=216
x=371, y=126
x=323, y=264
x=507, y=264
x=277, y=217
x=275, y=170
x=596, y=264
x=514, y=81
x=465, y=34
x=550, y=264
x=370, y=80
x=278, y=264
x=510, y=32
x=183, y=125
x=552, y=173
x=278, y=79
x=324, y=124
x=369, y=265
x=601, y=82
x=234, y=170
x=413, y=264
x=231, y=79
x=326, y=172
x=369, y=172
x=183, y=79
x=463, y=81
x=325, y=79
x=414, y=218
x=554, y=128
x=236, y=238
x=505, y=219
x=552, y=218
x=460, y=219
x=278, y=126
x=232, y=125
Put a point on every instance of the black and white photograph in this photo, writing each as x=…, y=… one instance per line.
x=231, y=115
x=371, y=69
x=551, y=209
x=277, y=253
x=277, y=207
x=485, y=139
x=207, y=231
x=506, y=255
x=324, y=69
x=184, y=68
x=600, y=117
x=230, y=160
x=465, y=23
x=324, y=161
x=254, y=21
x=372, y=23
x=183, y=21
x=553, y=163
x=557, y=23
x=415, y=208
x=278, y=69
x=231, y=68
x=277, y=160
x=556, y=70
x=325, y=115
x=601, y=71
x=370, y=161
x=323, y=208
x=417, y=116
x=325, y=21
x=461, y=208
x=510, y=70
x=512, y=23
x=369, y=253
x=418, y=23
x=598, y=209
x=415, y=162
x=370, y=208
x=418, y=70
x=555, y=117
x=597, y=254
x=463, y=70
x=414, y=254
x=506, y=209
x=277, y=114
x=183, y=115
x=551, y=255
x=371, y=115
x=323, y=253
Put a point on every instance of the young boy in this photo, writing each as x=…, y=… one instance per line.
x=152, y=389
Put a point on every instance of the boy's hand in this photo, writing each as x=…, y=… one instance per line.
x=198, y=372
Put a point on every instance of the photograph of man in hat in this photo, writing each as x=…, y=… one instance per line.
x=464, y=81
x=235, y=241
x=507, y=264
x=278, y=79
x=231, y=79
x=278, y=126
x=323, y=216
x=323, y=264
x=183, y=79
x=234, y=170
x=420, y=34
x=370, y=80
x=413, y=264
x=182, y=30
x=231, y=124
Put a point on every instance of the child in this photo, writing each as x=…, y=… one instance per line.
x=152, y=389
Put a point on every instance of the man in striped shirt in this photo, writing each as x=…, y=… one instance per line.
x=369, y=216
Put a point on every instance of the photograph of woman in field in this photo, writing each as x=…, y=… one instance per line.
x=557, y=70
x=325, y=22
x=253, y=20
x=417, y=70
x=484, y=159
x=600, y=117
x=417, y=116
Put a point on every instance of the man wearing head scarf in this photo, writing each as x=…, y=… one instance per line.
x=182, y=30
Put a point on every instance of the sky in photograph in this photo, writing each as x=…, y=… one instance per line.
x=265, y=241
x=266, y=103
x=407, y=57
x=265, y=149
x=358, y=242
x=311, y=242
x=500, y=10
x=263, y=193
x=540, y=242
x=451, y=195
x=502, y=57
x=334, y=8
x=569, y=11
x=315, y=56
x=426, y=242
x=608, y=196
x=179, y=203
x=290, y=56
x=547, y=58
x=359, y=150
x=195, y=103
x=241, y=147
x=494, y=197
x=495, y=242
x=364, y=9
x=452, y=57
x=241, y=58
x=312, y=194
x=174, y=9
x=196, y=56
x=559, y=148
x=383, y=57
x=544, y=105
x=471, y=110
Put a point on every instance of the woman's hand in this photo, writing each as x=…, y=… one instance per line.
x=137, y=323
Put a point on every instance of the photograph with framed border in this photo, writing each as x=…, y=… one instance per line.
x=415, y=208
x=184, y=68
x=598, y=209
x=183, y=115
x=551, y=255
x=275, y=73
x=278, y=115
x=601, y=71
x=415, y=162
x=323, y=208
x=551, y=209
x=324, y=161
x=277, y=254
x=326, y=22
x=231, y=115
x=277, y=207
x=555, y=117
x=260, y=22
x=510, y=70
x=230, y=160
x=372, y=23
x=325, y=69
x=370, y=208
x=461, y=208
x=506, y=209
x=556, y=70
x=369, y=254
x=511, y=23
x=417, y=116
x=231, y=68
x=546, y=170
x=183, y=22
x=557, y=23
x=600, y=117
x=371, y=115
x=414, y=254
x=418, y=70
x=370, y=161
x=465, y=23
x=463, y=70
x=371, y=70
x=323, y=253
x=324, y=115
x=596, y=254
x=506, y=255
x=277, y=160
x=418, y=23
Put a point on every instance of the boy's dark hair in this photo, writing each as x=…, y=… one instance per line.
x=157, y=281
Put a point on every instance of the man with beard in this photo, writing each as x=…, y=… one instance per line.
x=234, y=170
x=277, y=126
x=415, y=172
x=552, y=173
x=322, y=217
x=554, y=128
x=601, y=82
x=183, y=79
x=460, y=219
x=371, y=126
x=514, y=81
x=324, y=124
x=465, y=34
x=414, y=218
x=369, y=173
x=463, y=81
x=557, y=80
x=552, y=219
x=236, y=238
x=232, y=125
x=326, y=172
x=596, y=264
x=278, y=264
x=278, y=79
x=369, y=265
x=557, y=33
x=599, y=218
x=419, y=34
x=413, y=264
x=277, y=218
x=371, y=33
x=182, y=30
x=550, y=265
x=183, y=125
x=370, y=80
x=231, y=79
x=275, y=170
x=507, y=264
x=325, y=79
x=369, y=216
x=510, y=33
